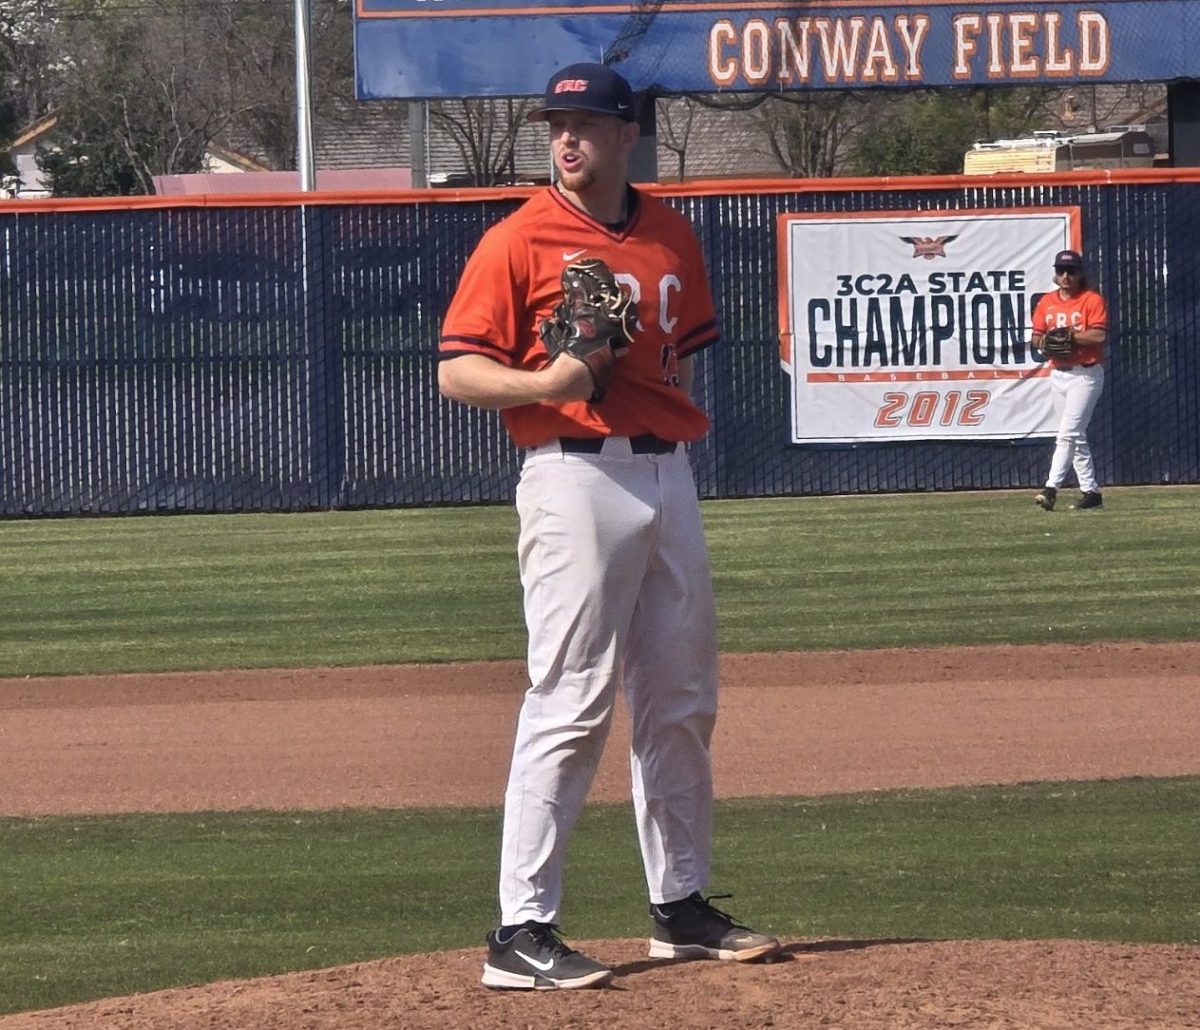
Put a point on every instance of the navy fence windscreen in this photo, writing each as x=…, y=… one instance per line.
x=282, y=357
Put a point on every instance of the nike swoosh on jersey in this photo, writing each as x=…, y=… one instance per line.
x=545, y=967
x=571, y=255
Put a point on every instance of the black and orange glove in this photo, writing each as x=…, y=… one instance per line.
x=1058, y=342
x=593, y=323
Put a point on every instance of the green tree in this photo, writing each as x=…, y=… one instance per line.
x=145, y=87
x=264, y=75
x=27, y=35
x=139, y=94
x=928, y=131
x=808, y=132
x=87, y=167
x=8, y=119
x=24, y=32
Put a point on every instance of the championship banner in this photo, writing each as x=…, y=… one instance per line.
x=915, y=325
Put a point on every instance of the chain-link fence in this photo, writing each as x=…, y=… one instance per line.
x=282, y=357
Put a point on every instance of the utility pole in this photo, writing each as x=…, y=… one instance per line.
x=304, y=137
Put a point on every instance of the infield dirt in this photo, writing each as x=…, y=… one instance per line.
x=791, y=724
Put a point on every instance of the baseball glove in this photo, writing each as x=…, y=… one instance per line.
x=593, y=323
x=1058, y=342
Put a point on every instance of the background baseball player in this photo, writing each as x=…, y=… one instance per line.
x=613, y=561
x=1070, y=326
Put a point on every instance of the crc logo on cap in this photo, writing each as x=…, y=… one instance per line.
x=571, y=86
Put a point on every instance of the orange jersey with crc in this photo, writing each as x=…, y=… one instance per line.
x=1086, y=310
x=514, y=279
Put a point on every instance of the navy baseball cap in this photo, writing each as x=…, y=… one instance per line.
x=1068, y=259
x=587, y=87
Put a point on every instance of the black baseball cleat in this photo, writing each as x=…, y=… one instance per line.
x=535, y=958
x=1046, y=498
x=693, y=928
x=1089, y=499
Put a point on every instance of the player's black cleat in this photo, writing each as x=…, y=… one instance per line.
x=693, y=928
x=535, y=958
x=1089, y=499
x=1046, y=498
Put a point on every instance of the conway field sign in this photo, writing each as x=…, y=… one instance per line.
x=446, y=48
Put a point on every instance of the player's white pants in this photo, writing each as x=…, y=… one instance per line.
x=1075, y=392
x=617, y=592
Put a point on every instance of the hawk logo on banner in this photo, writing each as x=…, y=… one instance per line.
x=929, y=247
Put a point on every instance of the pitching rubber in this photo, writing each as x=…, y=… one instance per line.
x=664, y=949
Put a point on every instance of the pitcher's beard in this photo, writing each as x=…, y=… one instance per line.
x=576, y=181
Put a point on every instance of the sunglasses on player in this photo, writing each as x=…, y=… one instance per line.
x=1067, y=270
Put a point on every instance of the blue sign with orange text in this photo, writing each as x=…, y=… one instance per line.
x=461, y=48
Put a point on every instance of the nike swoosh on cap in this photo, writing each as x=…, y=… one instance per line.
x=543, y=966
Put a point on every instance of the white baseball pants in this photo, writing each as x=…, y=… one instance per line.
x=618, y=591
x=1075, y=392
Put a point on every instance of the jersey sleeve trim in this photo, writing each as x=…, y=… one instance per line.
x=457, y=346
x=702, y=336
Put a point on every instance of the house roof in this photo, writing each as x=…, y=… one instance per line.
x=246, y=164
x=34, y=132
x=43, y=129
x=362, y=134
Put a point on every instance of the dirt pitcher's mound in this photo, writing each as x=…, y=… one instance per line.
x=884, y=984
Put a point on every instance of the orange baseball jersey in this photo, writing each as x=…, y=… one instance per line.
x=1086, y=310
x=514, y=279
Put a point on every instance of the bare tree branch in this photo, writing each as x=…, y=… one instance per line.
x=484, y=132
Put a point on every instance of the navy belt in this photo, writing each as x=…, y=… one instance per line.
x=647, y=443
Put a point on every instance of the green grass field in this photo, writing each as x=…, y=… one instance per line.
x=345, y=588
x=97, y=907
x=93, y=907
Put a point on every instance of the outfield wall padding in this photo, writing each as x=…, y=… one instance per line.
x=278, y=354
